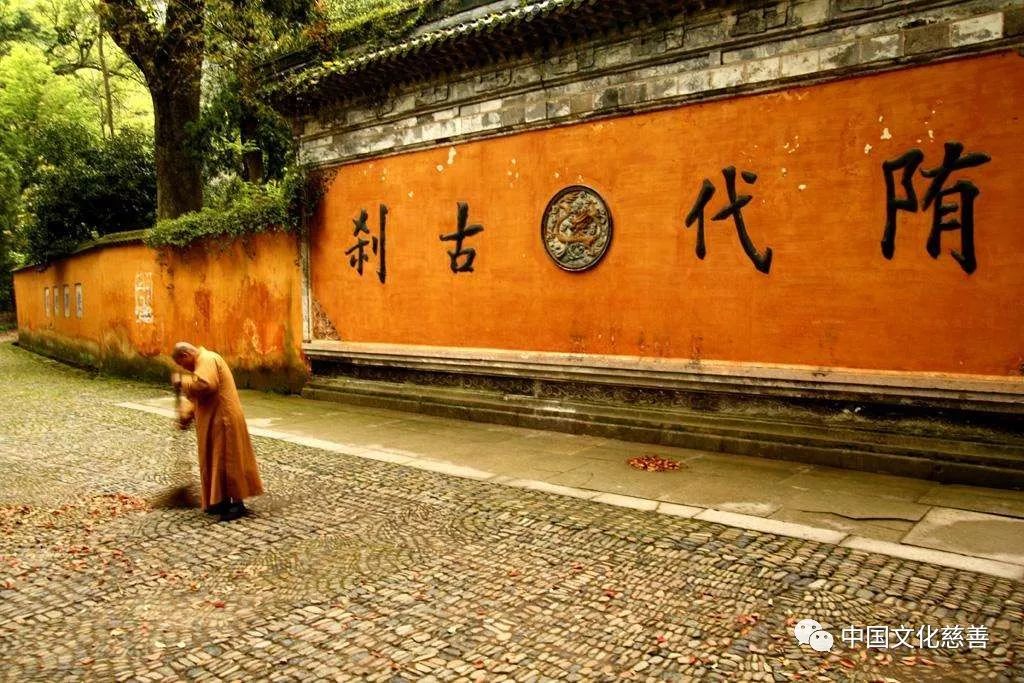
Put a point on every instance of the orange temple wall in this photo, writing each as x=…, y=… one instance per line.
x=831, y=298
x=241, y=301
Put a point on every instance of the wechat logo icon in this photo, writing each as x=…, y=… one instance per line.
x=810, y=632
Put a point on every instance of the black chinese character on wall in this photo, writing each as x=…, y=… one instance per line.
x=377, y=245
x=965, y=191
x=462, y=258
x=733, y=210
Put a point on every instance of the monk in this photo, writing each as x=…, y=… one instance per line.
x=227, y=466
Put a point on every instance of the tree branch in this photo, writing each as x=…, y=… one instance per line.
x=68, y=68
x=182, y=47
x=185, y=21
x=130, y=27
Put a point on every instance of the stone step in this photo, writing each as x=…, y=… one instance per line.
x=940, y=451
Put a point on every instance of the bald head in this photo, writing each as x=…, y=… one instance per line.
x=183, y=347
x=184, y=354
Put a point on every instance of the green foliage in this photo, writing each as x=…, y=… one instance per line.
x=236, y=209
x=218, y=138
x=15, y=24
x=375, y=16
x=69, y=33
x=89, y=187
x=64, y=36
x=10, y=237
x=43, y=119
x=33, y=98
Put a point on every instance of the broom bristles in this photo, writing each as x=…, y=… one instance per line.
x=176, y=497
x=184, y=494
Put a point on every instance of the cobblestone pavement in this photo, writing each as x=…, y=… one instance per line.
x=353, y=569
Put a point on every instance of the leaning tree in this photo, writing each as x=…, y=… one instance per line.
x=169, y=51
x=169, y=39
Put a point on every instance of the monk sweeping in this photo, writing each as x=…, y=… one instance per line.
x=227, y=466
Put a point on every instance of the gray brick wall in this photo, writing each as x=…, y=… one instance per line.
x=712, y=54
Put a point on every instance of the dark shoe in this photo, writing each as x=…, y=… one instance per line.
x=218, y=508
x=233, y=511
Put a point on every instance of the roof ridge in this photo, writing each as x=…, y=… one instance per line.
x=495, y=35
x=429, y=37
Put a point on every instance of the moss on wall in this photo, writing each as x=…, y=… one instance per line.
x=88, y=355
x=156, y=369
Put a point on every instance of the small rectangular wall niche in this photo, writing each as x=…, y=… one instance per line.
x=79, y=303
x=46, y=301
x=67, y=301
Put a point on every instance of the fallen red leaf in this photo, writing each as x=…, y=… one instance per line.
x=653, y=463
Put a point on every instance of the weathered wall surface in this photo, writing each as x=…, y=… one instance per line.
x=241, y=300
x=830, y=298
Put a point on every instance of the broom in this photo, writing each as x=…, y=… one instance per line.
x=182, y=493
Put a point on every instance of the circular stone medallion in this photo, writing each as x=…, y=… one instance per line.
x=576, y=228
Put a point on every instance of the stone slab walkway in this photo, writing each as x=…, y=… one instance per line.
x=357, y=568
x=957, y=526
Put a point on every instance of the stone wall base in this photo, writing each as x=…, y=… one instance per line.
x=973, y=441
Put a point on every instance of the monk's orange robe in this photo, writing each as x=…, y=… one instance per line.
x=227, y=465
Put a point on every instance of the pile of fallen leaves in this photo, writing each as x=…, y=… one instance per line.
x=653, y=463
x=100, y=507
x=46, y=542
x=81, y=514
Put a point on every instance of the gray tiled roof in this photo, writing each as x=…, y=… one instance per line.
x=507, y=33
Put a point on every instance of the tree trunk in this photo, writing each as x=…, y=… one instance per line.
x=171, y=58
x=252, y=161
x=108, y=98
x=179, y=171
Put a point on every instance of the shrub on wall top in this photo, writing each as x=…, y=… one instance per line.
x=236, y=208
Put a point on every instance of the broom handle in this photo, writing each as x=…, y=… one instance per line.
x=177, y=414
